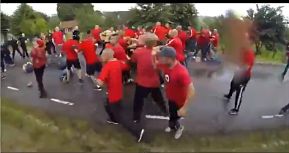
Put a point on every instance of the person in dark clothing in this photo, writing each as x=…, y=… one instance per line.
x=287, y=66
x=284, y=109
x=5, y=55
x=13, y=43
x=49, y=44
x=75, y=32
x=39, y=64
x=23, y=40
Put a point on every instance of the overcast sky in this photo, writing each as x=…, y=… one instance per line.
x=204, y=9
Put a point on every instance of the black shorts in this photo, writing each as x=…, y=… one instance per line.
x=75, y=63
x=91, y=68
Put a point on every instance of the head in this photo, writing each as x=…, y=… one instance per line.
x=111, y=28
x=167, y=25
x=173, y=33
x=150, y=39
x=167, y=56
x=38, y=43
x=139, y=28
x=56, y=29
x=96, y=26
x=158, y=23
x=76, y=28
x=179, y=27
x=189, y=28
x=49, y=31
x=23, y=35
x=107, y=55
x=215, y=31
x=114, y=39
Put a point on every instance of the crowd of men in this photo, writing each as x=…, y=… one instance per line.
x=157, y=56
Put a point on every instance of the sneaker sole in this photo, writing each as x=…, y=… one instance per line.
x=141, y=135
x=109, y=122
x=180, y=134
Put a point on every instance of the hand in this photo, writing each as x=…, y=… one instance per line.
x=182, y=112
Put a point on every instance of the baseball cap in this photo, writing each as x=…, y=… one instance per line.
x=167, y=52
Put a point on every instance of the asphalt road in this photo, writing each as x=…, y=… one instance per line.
x=264, y=95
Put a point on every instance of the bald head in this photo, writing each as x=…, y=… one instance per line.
x=158, y=23
x=173, y=33
x=179, y=27
x=107, y=54
x=56, y=29
x=150, y=39
x=96, y=26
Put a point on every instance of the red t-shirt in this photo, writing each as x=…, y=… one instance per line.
x=111, y=74
x=249, y=59
x=215, y=39
x=129, y=33
x=177, y=81
x=167, y=30
x=88, y=48
x=193, y=33
x=204, y=37
x=176, y=43
x=123, y=43
x=119, y=53
x=96, y=33
x=146, y=75
x=38, y=57
x=183, y=36
x=68, y=49
x=58, y=37
x=161, y=32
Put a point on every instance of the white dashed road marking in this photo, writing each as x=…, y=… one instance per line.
x=12, y=88
x=158, y=117
x=272, y=116
x=62, y=101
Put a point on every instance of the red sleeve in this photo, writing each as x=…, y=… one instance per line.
x=185, y=79
x=33, y=53
x=171, y=43
x=103, y=74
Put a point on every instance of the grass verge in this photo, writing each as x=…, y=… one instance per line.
x=28, y=129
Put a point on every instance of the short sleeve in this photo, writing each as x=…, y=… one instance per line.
x=184, y=78
x=103, y=74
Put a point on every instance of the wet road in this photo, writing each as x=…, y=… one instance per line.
x=264, y=95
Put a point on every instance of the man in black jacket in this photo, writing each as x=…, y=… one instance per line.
x=13, y=43
x=23, y=40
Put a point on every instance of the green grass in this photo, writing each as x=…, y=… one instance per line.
x=29, y=129
x=267, y=57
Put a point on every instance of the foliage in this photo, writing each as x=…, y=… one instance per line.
x=53, y=22
x=28, y=21
x=5, y=21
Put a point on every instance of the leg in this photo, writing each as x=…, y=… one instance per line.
x=138, y=102
x=2, y=62
x=285, y=108
x=233, y=88
x=39, y=78
x=76, y=65
x=68, y=69
x=174, y=118
x=109, y=111
x=285, y=70
x=158, y=98
x=17, y=49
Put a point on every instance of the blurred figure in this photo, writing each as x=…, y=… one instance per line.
x=177, y=44
x=111, y=76
x=284, y=110
x=96, y=34
x=161, y=32
x=75, y=32
x=287, y=66
x=49, y=44
x=192, y=40
x=13, y=43
x=178, y=86
x=182, y=35
x=203, y=44
x=128, y=32
x=147, y=77
x=241, y=77
x=215, y=38
x=58, y=39
x=39, y=64
x=23, y=40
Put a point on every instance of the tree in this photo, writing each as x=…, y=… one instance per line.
x=5, y=25
x=65, y=11
x=53, y=21
x=269, y=27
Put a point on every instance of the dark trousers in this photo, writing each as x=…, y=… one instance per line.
x=49, y=46
x=6, y=57
x=141, y=93
x=25, y=53
x=238, y=86
x=204, y=51
x=39, y=77
x=16, y=49
x=286, y=69
x=191, y=45
x=286, y=108
x=116, y=113
x=2, y=62
x=126, y=75
x=174, y=117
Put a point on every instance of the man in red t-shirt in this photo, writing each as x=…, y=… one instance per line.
x=128, y=32
x=139, y=31
x=93, y=63
x=69, y=49
x=203, y=43
x=241, y=78
x=161, y=32
x=182, y=35
x=58, y=39
x=192, y=39
x=111, y=75
x=147, y=77
x=176, y=43
x=215, y=39
x=96, y=34
x=179, y=88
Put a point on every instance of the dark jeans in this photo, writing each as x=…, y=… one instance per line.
x=25, y=53
x=174, y=117
x=116, y=113
x=286, y=69
x=239, y=87
x=204, y=51
x=49, y=46
x=2, y=62
x=39, y=77
x=141, y=93
x=191, y=45
x=126, y=75
x=13, y=52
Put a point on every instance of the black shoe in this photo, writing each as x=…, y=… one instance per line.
x=227, y=97
x=109, y=121
x=233, y=112
x=43, y=94
x=282, y=112
x=140, y=135
x=80, y=81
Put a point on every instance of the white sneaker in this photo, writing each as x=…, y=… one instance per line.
x=140, y=135
x=168, y=129
x=179, y=132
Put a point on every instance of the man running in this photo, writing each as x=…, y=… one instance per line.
x=68, y=49
x=179, y=88
x=39, y=64
x=58, y=39
x=176, y=43
x=161, y=32
x=93, y=63
x=96, y=34
x=287, y=66
x=13, y=43
x=192, y=39
x=147, y=77
x=23, y=40
x=111, y=75
x=241, y=78
x=49, y=44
